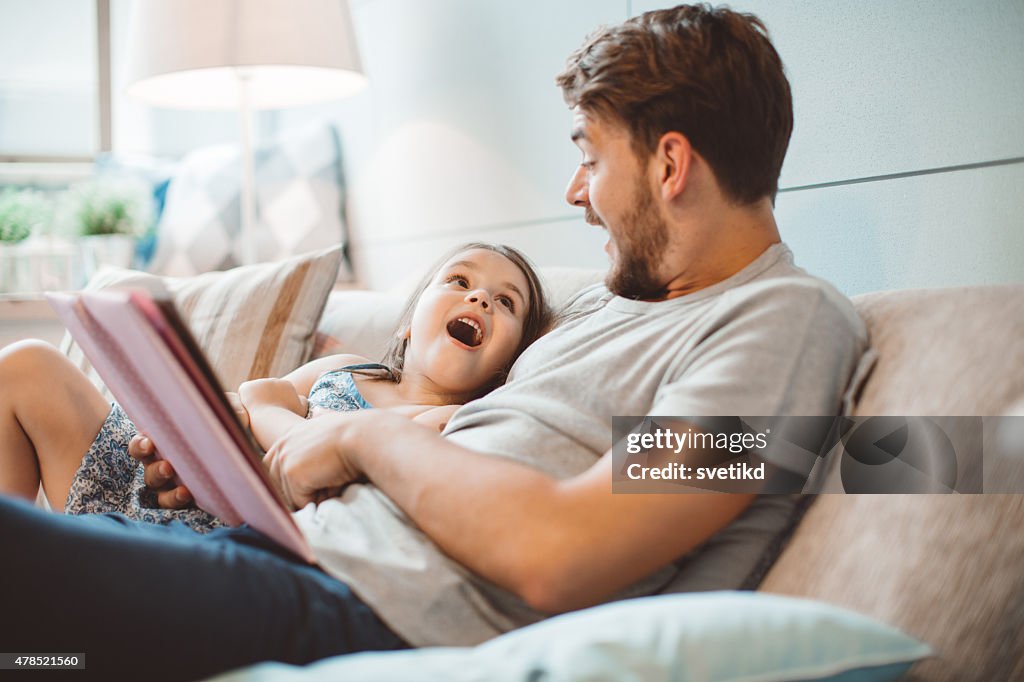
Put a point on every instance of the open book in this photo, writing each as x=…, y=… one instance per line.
x=144, y=353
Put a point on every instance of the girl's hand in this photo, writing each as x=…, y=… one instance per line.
x=271, y=392
x=239, y=408
x=312, y=462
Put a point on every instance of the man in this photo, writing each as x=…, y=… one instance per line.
x=683, y=117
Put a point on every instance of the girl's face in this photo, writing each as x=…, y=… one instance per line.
x=468, y=322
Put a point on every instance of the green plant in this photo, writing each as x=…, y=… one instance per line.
x=108, y=206
x=22, y=212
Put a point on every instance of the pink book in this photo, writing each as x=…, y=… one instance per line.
x=155, y=370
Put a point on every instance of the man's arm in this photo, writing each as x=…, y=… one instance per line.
x=558, y=544
x=436, y=418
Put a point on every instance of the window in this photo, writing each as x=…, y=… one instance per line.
x=54, y=80
x=62, y=76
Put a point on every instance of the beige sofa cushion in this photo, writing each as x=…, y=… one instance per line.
x=944, y=351
x=947, y=569
x=251, y=322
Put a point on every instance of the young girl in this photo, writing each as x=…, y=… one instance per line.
x=458, y=336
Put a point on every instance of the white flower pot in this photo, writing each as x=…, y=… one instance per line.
x=44, y=263
x=10, y=268
x=117, y=250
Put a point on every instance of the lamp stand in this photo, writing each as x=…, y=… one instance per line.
x=248, y=236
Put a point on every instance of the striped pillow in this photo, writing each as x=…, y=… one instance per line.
x=251, y=322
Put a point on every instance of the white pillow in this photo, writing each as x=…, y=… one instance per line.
x=711, y=637
x=251, y=322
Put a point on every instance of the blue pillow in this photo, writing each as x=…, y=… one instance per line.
x=157, y=172
x=709, y=636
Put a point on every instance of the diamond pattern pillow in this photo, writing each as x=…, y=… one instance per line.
x=299, y=200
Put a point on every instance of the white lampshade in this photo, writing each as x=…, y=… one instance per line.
x=190, y=54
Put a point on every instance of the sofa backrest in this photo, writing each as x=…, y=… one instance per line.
x=946, y=569
x=944, y=351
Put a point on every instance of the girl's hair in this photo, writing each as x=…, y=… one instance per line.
x=537, y=320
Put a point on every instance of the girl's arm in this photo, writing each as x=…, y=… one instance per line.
x=304, y=377
x=273, y=406
x=238, y=407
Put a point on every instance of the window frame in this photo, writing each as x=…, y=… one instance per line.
x=103, y=100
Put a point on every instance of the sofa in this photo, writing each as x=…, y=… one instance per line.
x=947, y=570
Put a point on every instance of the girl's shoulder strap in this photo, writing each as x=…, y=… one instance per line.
x=366, y=368
x=363, y=366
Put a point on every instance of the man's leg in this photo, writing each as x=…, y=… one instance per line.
x=163, y=602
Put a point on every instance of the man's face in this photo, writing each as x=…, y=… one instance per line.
x=613, y=187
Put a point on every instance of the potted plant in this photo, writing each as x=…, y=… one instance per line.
x=22, y=213
x=108, y=215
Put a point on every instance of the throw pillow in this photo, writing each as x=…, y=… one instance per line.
x=359, y=322
x=299, y=200
x=712, y=637
x=251, y=322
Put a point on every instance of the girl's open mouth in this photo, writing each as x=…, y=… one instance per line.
x=466, y=331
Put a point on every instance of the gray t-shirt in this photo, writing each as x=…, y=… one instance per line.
x=770, y=340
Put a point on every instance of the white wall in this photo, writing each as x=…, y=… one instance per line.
x=915, y=87
x=462, y=134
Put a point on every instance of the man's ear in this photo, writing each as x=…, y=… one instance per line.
x=407, y=334
x=674, y=158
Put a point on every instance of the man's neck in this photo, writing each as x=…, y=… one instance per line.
x=722, y=243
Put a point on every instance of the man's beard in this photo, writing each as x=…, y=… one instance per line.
x=640, y=248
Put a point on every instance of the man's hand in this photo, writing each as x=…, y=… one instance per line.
x=159, y=475
x=311, y=462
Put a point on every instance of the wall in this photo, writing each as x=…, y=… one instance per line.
x=902, y=172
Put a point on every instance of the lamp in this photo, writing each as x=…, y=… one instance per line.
x=244, y=55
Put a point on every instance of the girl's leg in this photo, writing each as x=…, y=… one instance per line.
x=50, y=414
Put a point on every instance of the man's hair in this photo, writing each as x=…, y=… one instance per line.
x=538, y=319
x=710, y=74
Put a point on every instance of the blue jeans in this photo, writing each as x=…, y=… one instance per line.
x=163, y=602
